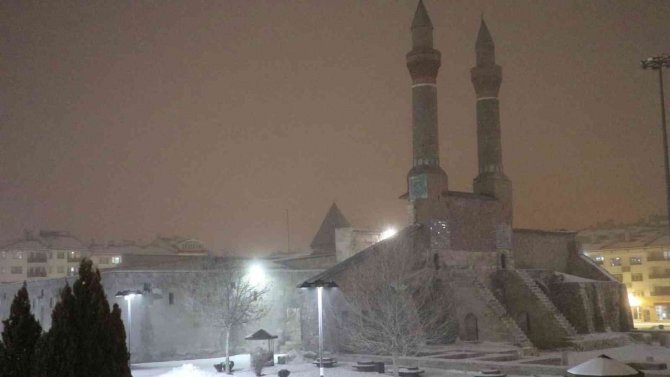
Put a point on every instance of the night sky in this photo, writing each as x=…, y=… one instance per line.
x=128, y=119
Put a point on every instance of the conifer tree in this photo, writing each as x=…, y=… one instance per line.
x=19, y=336
x=56, y=355
x=120, y=353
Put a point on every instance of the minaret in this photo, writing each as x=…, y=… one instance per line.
x=486, y=78
x=426, y=180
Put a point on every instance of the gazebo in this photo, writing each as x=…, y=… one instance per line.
x=603, y=366
x=264, y=335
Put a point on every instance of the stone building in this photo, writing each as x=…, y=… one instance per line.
x=532, y=288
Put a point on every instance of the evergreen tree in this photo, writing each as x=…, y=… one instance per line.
x=20, y=334
x=120, y=353
x=85, y=338
x=56, y=355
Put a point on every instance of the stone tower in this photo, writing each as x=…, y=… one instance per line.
x=426, y=181
x=486, y=78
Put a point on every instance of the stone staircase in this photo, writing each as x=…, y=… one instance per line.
x=520, y=338
x=544, y=300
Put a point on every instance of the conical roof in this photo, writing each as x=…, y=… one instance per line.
x=484, y=38
x=260, y=335
x=421, y=18
x=603, y=366
x=324, y=240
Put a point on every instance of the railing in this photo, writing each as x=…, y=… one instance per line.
x=37, y=258
x=664, y=275
x=37, y=273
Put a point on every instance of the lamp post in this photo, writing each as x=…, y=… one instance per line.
x=657, y=63
x=319, y=285
x=128, y=295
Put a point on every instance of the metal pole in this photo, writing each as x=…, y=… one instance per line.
x=319, y=292
x=130, y=325
x=665, y=144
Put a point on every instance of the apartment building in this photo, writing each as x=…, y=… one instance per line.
x=639, y=256
x=52, y=254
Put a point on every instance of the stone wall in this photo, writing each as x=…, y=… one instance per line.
x=538, y=249
x=166, y=324
x=349, y=241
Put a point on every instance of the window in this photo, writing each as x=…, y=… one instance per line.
x=116, y=260
x=636, y=277
x=17, y=270
x=60, y=255
x=171, y=298
x=104, y=260
x=619, y=277
x=635, y=260
x=666, y=254
x=599, y=259
x=51, y=255
x=616, y=261
x=61, y=269
x=18, y=255
x=4, y=255
x=72, y=271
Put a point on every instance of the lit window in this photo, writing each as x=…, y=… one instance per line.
x=72, y=271
x=616, y=261
x=18, y=255
x=116, y=260
x=666, y=254
x=599, y=259
x=635, y=260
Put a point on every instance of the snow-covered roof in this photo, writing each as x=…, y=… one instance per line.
x=603, y=366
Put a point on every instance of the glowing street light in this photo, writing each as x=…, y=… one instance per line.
x=319, y=285
x=388, y=233
x=256, y=275
x=128, y=295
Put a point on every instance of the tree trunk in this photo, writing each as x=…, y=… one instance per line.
x=394, y=358
x=229, y=370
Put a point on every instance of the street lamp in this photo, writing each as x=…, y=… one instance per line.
x=657, y=63
x=319, y=285
x=128, y=296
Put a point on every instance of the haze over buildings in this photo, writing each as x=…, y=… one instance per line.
x=209, y=120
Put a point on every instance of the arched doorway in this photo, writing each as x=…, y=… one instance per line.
x=503, y=261
x=471, y=329
x=523, y=320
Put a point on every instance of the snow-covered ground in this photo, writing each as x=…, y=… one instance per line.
x=298, y=368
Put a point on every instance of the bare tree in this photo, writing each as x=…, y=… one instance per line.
x=394, y=303
x=228, y=297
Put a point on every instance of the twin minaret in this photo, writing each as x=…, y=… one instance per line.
x=426, y=180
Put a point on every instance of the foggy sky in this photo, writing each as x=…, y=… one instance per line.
x=128, y=119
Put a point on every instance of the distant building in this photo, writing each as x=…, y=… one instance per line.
x=54, y=254
x=637, y=255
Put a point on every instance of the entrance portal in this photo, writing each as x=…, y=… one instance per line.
x=471, y=330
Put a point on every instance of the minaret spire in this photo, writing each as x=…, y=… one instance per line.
x=426, y=180
x=486, y=78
